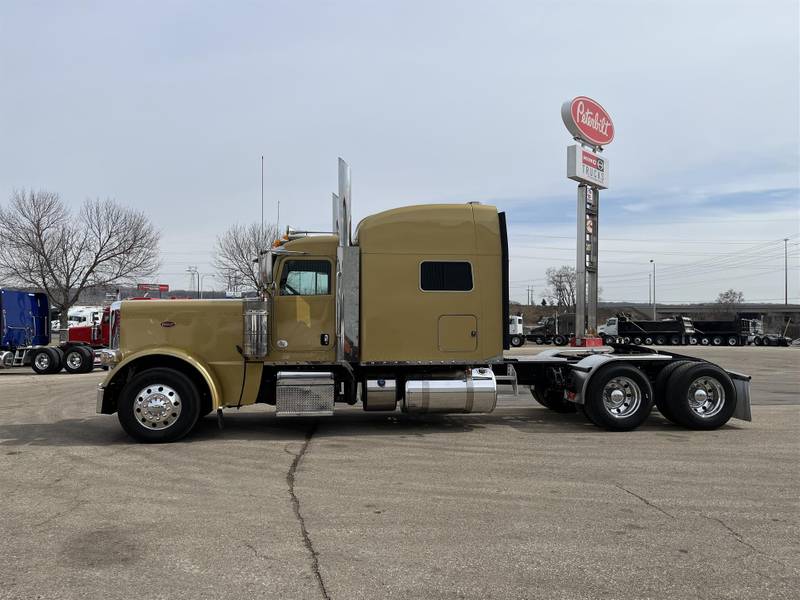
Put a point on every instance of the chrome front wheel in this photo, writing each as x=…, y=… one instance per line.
x=157, y=406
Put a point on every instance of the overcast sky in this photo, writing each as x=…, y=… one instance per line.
x=168, y=107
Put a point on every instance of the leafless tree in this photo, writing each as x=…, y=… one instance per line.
x=48, y=247
x=561, y=285
x=237, y=248
x=730, y=296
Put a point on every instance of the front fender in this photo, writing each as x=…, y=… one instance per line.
x=115, y=375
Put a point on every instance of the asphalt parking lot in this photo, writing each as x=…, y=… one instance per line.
x=521, y=503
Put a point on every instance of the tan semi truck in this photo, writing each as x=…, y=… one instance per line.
x=407, y=313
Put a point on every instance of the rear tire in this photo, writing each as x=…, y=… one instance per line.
x=158, y=405
x=46, y=361
x=553, y=399
x=559, y=340
x=619, y=398
x=765, y=341
x=648, y=341
x=661, y=340
x=757, y=341
x=539, y=340
x=733, y=341
x=660, y=390
x=704, y=341
x=78, y=359
x=675, y=340
x=701, y=396
x=637, y=341
x=716, y=340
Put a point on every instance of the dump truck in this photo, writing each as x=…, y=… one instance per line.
x=622, y=329
x=25, y=337
x=320, y=337
x=556, y=329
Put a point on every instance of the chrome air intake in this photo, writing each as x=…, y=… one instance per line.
x=255, y=344
x=473, y=390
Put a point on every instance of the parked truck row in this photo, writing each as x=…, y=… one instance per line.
x=26, y=330
x=674, y=331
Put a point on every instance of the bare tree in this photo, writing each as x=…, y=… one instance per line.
x=730, y=296
x=46, y=246
x=561, y=285
x=236, y=250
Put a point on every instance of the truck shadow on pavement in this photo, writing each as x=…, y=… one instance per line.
x=104, y=431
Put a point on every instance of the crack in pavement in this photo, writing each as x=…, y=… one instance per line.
x=290, y=480
x=645, y=500
x=739, y=538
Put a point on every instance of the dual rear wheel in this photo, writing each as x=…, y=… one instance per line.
x=697, y=395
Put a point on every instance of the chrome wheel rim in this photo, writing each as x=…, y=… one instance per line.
x=157, y=406
x=42, y=361
x=74, y=360
x=622, y=397
x=706, y=397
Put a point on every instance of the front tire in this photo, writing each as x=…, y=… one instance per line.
x=701, y=396
x=619, y=398
x=517, y=341
x=158, y=405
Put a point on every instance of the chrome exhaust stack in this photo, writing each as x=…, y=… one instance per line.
x=348, y=267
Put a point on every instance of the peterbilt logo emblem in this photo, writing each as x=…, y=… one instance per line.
x=168, y=324
x=587, y=120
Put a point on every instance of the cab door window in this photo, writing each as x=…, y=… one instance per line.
x=306, y=278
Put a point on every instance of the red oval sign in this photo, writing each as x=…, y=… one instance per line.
x=168, y=324
x=587, y=120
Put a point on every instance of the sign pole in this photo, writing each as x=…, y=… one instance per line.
x=592, y=220
x=592, y=129
x=580, y=264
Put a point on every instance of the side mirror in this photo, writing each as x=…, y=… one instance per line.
x=265, y=268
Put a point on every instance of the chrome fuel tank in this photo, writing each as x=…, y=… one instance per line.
x=473, y=390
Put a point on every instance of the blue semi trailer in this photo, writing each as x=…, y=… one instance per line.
x=25, y=336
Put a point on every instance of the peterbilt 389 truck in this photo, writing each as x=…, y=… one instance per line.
x=319, y=337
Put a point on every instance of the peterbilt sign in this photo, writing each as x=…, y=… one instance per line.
x=587, y=167
x=587, y=120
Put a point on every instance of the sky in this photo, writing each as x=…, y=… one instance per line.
x=168, y=107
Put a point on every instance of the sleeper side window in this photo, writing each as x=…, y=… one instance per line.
x=445, y=276
x=306, y=278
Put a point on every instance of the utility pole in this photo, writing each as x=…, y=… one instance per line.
x=786, y=271
x=654, y=288
x=262, y=192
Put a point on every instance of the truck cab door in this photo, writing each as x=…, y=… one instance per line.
x=304, y=310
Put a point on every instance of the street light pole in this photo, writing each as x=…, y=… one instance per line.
x=201, y=277
x=786, y=271
x=654, y=288
x=650, y=288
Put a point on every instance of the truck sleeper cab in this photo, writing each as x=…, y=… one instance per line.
x=410, y=313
